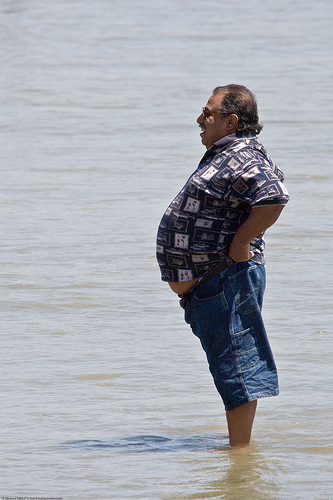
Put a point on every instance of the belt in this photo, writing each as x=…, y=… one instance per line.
x=201, y=281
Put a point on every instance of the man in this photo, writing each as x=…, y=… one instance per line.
x=210, y=251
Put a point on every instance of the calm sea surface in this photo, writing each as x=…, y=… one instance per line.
x=105, y=392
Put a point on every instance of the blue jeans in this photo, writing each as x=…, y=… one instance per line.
x=225, y=314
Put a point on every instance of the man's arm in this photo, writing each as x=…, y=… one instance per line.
x=260, y=219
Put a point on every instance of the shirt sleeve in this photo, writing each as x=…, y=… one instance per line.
x=270, y=202
x=259, y=184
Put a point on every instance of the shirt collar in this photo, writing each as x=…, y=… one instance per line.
x=233, y=137
x=221, y=143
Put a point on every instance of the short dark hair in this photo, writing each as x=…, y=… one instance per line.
x=240, y=101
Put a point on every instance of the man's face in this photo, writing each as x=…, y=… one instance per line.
x=213, y=126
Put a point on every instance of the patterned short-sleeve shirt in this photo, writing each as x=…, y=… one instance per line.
x=198, y=226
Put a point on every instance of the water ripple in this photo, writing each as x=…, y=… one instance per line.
x=144, y=443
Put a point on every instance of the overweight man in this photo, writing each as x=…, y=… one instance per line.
x=210, y=249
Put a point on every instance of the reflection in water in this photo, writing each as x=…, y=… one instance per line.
x=241, y=474
x=231, y=474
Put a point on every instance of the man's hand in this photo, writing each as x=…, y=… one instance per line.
x=258, y=221
x=240, y=253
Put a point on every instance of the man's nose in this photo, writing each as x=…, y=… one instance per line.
x=200, y=118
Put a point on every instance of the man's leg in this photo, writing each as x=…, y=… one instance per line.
x=240, y=421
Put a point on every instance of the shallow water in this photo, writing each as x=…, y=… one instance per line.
x=105, y=392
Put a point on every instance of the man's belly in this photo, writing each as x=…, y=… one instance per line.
x=182, y=287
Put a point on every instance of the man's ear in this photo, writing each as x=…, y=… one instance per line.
x=232, y=122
